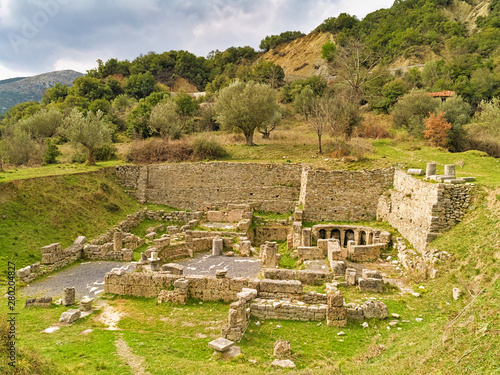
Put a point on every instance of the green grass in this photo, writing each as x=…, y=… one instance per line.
x=38, y=212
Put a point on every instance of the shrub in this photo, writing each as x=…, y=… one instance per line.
x=157, y=150
x=206, y=148
x=105, y=152
x=51, y=152
x=437, y=129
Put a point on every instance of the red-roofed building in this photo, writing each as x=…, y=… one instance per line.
x=443, y=95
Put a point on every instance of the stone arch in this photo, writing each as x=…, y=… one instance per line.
x=349, y=236
x=362, y=238
x=370, y=238
x=335, y=234
x=322, y=234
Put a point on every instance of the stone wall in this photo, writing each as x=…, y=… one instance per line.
x=205, y=186
x=307, y=277
x=343, y=195
x=260, y=235
x=287, y=310
x=421, y=210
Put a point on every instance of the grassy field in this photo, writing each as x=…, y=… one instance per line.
x=453, y=337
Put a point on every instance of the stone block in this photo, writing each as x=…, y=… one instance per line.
x=80, y=240
x=236, y=215
x=217, y=246
x=221, y=344
x=430, y=169
x=282, y=349
x=335, y=298
x=68, y=296
x=216, y=216
x=351, y=276
x=86, y=304
x=220, y=274
x=173, y=229
x=173, y=268
x=298, y=215
x=283, y=363
x=375, y=310
x=245, y=247
x=244, y=225
x=52, y=248
x=70, y=316
x=338, y=267
x=354, y=311
x=370, y=274
x=24, y=272
x=385, y=237
x=449, y=170
x=371, y=285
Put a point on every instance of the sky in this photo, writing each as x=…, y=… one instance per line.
x=39, y=36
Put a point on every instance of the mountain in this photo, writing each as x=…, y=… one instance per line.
x=18, y=90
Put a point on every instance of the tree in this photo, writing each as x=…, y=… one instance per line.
x=42, y=124
x=246, y=106
x=410, y=110
x=436, y=129
x=328, y=51
x=90, y=131
x=322, y=112
x=270, y=73
x=165, y=120
x=55, y=94
x=458, y=113
x=303, y=102
x=345, y=113
x=140, y=85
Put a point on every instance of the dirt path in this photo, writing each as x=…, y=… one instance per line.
x=135, y=361
x=110, y=316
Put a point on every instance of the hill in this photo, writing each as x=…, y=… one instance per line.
x=18, y=90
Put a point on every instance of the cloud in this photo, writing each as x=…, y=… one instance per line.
x=41, y=35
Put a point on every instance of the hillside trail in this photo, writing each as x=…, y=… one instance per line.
x=134, y=361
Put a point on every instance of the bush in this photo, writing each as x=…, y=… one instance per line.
x=208, y=149
x=51, y=153
x=355, y=148
x=155, y=150
x=105, y=152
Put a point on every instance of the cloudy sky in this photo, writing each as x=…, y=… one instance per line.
x=39, y=36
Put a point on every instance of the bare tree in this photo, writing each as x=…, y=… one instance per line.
x=322, y=113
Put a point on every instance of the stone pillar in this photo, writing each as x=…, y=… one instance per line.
x=117, y=241
x=449, y=170
x=154, y=261
x=217, y=246
x=430, y=170
x=245, y=248
x=334, y=250
x=270, y=257
x=306, y=237
x=297, y=233
x=336, y=313
x=351, y=276
x=68, y=296
x=86, y=304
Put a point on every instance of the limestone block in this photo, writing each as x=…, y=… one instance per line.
x=282, y=349
x=86, y=304
x=371, y=285
x=80, y=240
x=298, y=215
x=416, y=172
x=173, y=268
x=283, y=363
x=244, y=225
x=150, y=230
x=306, y=237
x=173, y=229
x=297, y=234
x=375, y=309
x=70, y=316
x=52, y=248
x=181, y=284
x=323, y=246
x=162, y=242
x=220, y=274
x=217, y=246
x=372, y=274
x=24, y=272
x=354, y=311
x=335, y=298
x=216, y=216
x=236, y=215
x=68, y=296
x=456, y=293
x=106, y=248
x=385, y=237
x=245, y=247
x=117, y=241
x=150, y=236
x=334, y=250
x=38, y=302
x=338, y=267
x=351, y=276
x=128, y=255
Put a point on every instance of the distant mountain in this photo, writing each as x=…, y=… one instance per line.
x=18, y=90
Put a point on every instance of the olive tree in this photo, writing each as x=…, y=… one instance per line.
x=246, y=106
x=90, y=131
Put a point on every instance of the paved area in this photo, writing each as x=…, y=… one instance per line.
x=205, y=264
x=87, y=278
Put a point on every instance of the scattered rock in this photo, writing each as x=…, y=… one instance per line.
x=456, y=293
x=70, y=316
x=282, y=349
x=283, y=363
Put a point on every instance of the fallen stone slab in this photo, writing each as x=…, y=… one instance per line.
x=283, y=363
x=221, y=344
x=70, y=316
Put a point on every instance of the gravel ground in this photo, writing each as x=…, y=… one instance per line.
x=205, y=264
x=87, y=278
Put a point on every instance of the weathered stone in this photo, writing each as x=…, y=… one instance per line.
x=351, y=276
x=70, y=316
x=283, y=363
x=306, y=237
x=245, y=247
x=282, y=349
x=449, y=170
x=220, y=274
x=375, y=310
x=371, y=285
x=117, y=241
x=221, y=344
x=338, y=268
x=173, y=268
x=217, y=246
x=80, y=240
x=457, y=293
x=68, y=296
x=417, y=172
x=86, y=304
x=216, y=216
x=430, y=170
x=370, y=274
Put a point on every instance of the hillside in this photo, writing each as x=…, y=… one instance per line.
x=19, y=90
